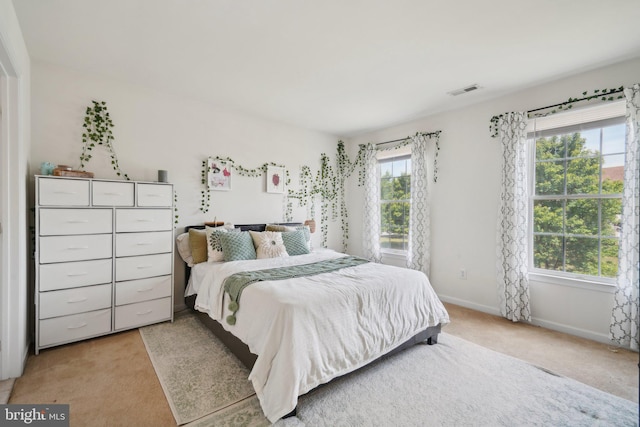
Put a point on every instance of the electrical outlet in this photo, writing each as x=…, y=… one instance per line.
x=462, y=274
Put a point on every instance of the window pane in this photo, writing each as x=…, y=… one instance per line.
x=611, y=212
x=385, y=169
x=550, y=178
x=549, y=148
x=399, y=167
x=582, y=217
x=395, y=225
x=576, y=145
x=547, y=216
x=612, y=174
x=386, y=188
x=583, y=176
x=547, y=252
x=609, y=262
x=592, y=140
x=582, y=255
x=613, y=139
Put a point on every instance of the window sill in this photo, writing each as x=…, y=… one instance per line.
x=585, y=283
x=394, y=254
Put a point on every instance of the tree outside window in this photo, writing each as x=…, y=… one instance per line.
x=577, y=201
x=395, y=202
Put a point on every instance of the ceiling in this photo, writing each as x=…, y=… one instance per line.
x=343, y=67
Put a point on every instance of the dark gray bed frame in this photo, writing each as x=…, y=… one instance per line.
x=241, y=350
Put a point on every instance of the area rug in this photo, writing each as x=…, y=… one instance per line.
x=198, y=374
x=452, y=383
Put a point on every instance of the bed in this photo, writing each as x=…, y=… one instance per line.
x=298, y=333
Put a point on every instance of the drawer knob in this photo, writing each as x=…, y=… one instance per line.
x=65, y=192
x=143, y=313
x=145, y=266
x=75, y=248
x=144, y=219
x=112, y=194
x=154, y=195
x=143, y=243
x=77, y=221
x=81, y=325
x=76, y=300
x=145, y=290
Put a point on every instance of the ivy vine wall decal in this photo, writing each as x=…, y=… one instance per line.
x=98, y=131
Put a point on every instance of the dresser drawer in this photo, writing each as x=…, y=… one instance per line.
x=72, y=301
x=74, y=274
x=108, y=193
x=129, y=244
x=63, y=192
x=76, y=327
x=150, y=195
x=140, y=267
x=143, y=290
x=75, y=221
x=75, y=248
x=133, y=220
x=143, y=313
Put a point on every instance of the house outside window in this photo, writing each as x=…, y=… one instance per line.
x=395, y=202
x=576, y=193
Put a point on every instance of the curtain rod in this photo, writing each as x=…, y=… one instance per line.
x=404, y=139
x=571, y=101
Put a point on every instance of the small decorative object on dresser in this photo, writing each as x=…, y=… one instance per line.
x=104, y=257
x=275, y=179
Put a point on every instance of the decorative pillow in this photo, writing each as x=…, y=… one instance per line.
x=305, y=228
x=182, y=243
x=198, y=245
x=237, y=246
x=268, y=244
x=295, y=242
x=214, y=247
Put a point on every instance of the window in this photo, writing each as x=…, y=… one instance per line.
x=395, y=202
x=576, y=197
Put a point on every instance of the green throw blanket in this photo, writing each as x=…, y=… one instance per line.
x=235, y=284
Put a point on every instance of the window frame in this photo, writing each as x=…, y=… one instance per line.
x=390, y=159
x=579, y=280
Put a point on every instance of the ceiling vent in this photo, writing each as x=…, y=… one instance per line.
x=464, y=90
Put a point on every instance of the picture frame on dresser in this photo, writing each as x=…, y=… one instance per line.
x=103, y=255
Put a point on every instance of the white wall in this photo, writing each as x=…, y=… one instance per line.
x=156, y=130
x=464, y=205
x=14, y=161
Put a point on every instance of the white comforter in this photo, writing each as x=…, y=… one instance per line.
x=309, y=330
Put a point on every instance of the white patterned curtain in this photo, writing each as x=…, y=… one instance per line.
x=371, y=222
x=418, y=256
x=512, y=235
x=624, y=320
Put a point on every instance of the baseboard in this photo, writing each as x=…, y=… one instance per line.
x=571, y=330
x=469, y=304
x=179, y=307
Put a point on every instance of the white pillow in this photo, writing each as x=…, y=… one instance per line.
x=268, y=244
x=214, y=246
x=184, y=249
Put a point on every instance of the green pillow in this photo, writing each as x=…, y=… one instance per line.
x=295, y=242
x=237, y=246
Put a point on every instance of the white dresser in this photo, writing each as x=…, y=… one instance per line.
x=104, y=257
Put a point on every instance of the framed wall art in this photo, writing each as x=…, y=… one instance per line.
x=275, y=179
x=219, y=176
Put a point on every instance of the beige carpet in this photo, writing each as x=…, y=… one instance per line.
x=116, y=369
